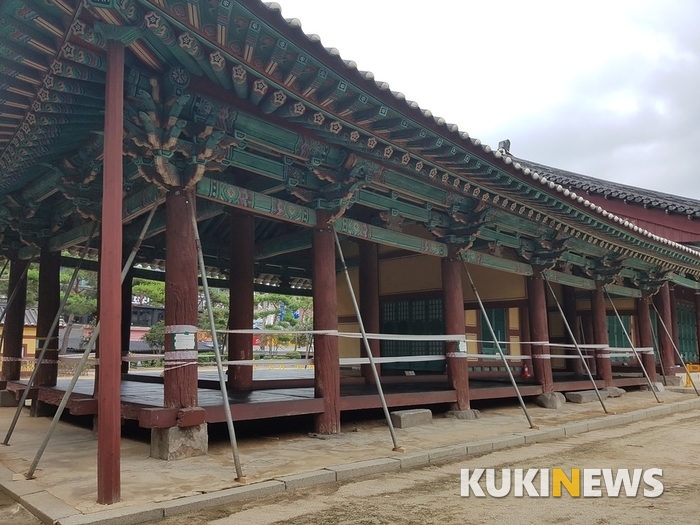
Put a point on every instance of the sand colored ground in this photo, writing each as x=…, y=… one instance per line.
x=431, y=495
x=68, y=469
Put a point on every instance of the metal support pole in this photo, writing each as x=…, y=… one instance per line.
x=217, y=354
x=380, y=391
x=85, y=356
x=578, y=348
x=678, y=353
x=498, y=347
x=636, y=354
x=45, y=346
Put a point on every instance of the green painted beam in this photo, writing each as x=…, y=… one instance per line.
x=260, y=204
x=381, y=202
x=683, y=281
x=497, y=263
x=569, y=280
x=360, y=230
x=284, y=244
x=623, y=291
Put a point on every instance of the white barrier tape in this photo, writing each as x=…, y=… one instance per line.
x=181, y=355
x=278, y=332
x=404, y=337
x=76, y=358
x=143, y=357
x=393, y=359
x=252, y=362
x=542, y=356
x=491, y=341
x=181, y=329
x=565, y=356
x=172, y=365
x=30, y=359
x=645, y=350
x=582, y=347
x=496, y=357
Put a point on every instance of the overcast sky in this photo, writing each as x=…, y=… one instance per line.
x=609, y=89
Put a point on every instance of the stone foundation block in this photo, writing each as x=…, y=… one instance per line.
x=614, y=391
x=463, y=414
x=674, y=380
x=658, y=387
x=41, y=409
x=8, y=399
x=178, y=443
x=553, y=400
x=411, y=418
x=585, y=396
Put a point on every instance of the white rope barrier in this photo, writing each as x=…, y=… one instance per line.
x=276, y=332
x=645, y=350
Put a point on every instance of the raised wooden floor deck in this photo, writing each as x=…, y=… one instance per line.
x=142, y=395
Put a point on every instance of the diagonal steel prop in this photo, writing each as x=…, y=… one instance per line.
x=45, y=346
x=578, y=348
x=380, y=390
x=222, y=380
x=636, y=354
x=86, y=354
x=673, y=343
x=10, y=300
x=498, y=347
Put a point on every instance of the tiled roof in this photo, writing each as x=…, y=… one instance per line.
x=615, y=190
x=30, y=316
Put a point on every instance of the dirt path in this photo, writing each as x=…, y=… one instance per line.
x=431, y=495
x=12, y=513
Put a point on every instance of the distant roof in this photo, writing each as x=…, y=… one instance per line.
x=30, y=316
x=614, y=190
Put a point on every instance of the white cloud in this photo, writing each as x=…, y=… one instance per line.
x=608, y=89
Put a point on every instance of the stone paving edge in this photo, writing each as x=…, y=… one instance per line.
x=56, y=513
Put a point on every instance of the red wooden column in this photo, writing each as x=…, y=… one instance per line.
x=539, y=331
x=673, y=328
x=240, y=346
x=126, y=318
x=14, y=321
x=326, y=358
x=453, y=298
x=369, y=302
x=49, y=302
x=697, y=325
x=600, y=333
x=181, y=301
x=662, y=301
x=108, y=396
x=571, y=313
x=646, y=336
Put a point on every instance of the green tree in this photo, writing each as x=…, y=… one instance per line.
x=155, y=337
x=278, y=313
x=147, y=292
x=81, y=302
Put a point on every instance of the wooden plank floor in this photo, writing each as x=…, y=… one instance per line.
x=147, y=392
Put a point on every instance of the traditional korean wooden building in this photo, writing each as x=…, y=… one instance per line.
x=109, y=108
